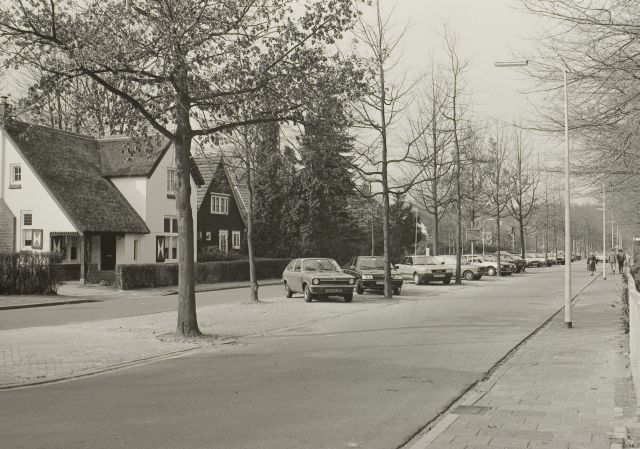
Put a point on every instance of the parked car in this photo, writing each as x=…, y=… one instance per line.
x=518, y=261
x=424, y=269
x=535, y=260
x=600, y=257
x=560, y=258
x=317, y=277
x=491, y=264
x=369, y=272
x=467, y=271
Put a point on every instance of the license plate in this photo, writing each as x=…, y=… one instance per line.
x=380, y=283
x=333, y=290
x=438, y=275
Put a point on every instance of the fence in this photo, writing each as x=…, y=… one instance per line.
x=634, y=325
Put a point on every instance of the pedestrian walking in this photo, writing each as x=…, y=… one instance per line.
x=591, y=263
x=621, y=257
x=611, y=258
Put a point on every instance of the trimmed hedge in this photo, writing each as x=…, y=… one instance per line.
x=29, y=273
x=129, y=277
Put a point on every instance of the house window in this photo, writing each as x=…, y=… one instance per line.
x=219, y=204
x=223, y=240
x=171, y=181
x=235, y=239
x=136, y=243
x=168, y=244
x=15, y=174
x=26, y=222
x=208, y=235
x=66, y=246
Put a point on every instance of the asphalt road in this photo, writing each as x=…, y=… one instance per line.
x=362, y=380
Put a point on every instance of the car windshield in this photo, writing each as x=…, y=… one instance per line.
x=425, y=260
x=371, y=263
x=320, y=265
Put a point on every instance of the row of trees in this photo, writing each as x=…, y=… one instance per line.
x=368, y=141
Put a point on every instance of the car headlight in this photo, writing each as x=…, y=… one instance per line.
x=352, y=281
x=449, y=271
x=315, y=282
x=397, y=276
x=367, y=276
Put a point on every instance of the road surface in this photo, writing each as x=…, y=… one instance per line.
x=362, y=380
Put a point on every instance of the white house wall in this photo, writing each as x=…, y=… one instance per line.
x=134, y=189
x=160, y=206
x=31, y=196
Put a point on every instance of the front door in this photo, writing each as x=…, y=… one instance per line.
x=107, y=252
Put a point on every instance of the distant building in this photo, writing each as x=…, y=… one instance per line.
x=97, y=202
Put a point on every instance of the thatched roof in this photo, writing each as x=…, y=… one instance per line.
x=69, y=165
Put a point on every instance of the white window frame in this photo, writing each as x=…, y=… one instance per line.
x=15, y=169
x=223, y=236
x=235, y=239
x=219, y=204
x=171, y=181
x=24, y=227
x=171, y=239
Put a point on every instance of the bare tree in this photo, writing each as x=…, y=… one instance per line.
x=378, y=113
x=457, y=70
x=433, y=192
x=524, y=184
x=497, y=189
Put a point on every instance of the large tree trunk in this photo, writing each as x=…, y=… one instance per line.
x=253, y=295
x=187, y=321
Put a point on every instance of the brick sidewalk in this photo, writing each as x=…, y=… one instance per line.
x=562, y=389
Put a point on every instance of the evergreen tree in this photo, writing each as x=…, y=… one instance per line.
x=327, y=228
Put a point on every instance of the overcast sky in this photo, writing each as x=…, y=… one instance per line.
x=487, y=30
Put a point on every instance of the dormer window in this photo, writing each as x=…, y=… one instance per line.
x=15, y=176
x=171, y=182
x=219, y=204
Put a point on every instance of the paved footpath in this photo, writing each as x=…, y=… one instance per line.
x=561, y=389
x=36, y=355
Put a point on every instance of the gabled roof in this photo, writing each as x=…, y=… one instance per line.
x=69, y=166
x=208, y=163
x=122, y=156
x=126, y=156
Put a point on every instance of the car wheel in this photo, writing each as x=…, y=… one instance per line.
x=416, y=279
x=348, y=298
x=307, y=294
x=491, y=271
x=359, y=288
x=446, y=281
x=397, y=290
x=468, y=275
x=287, y=291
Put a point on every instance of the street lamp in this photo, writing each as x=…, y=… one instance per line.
x=486, y=219
x=567, y=194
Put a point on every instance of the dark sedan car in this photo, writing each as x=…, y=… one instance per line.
x=317, y=277
x=369, y=270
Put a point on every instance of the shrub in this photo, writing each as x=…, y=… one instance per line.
x=214, y=255
x=28, y=273
x=162, y=275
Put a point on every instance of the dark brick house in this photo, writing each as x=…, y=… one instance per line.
x=222, y=205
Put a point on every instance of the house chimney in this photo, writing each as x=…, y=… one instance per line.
x=4, y=109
